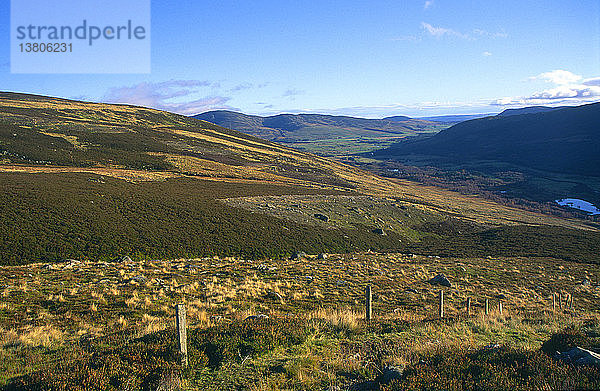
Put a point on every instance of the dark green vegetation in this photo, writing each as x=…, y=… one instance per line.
x=50, y=217
x=503, y=183
x=563, y=140
x=244, y=356
x=325, y=134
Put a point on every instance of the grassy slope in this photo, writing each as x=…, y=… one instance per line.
x=100, y=326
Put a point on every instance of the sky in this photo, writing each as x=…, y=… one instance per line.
x=361, y=58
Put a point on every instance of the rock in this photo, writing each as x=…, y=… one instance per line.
x=273, y=296
x=492, y=346
x=321, y=217
x=389, y=374
x=579, y=356
x=139, y=278
x=368, y=385
x=124, y=259
x=322, y=256
x=586, y=282
x=378, y=231
x=257, y=317
x=440, y=279
x=299, y=255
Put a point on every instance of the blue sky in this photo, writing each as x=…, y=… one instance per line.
x=370, y=59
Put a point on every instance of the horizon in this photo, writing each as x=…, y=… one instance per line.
x=417, y=59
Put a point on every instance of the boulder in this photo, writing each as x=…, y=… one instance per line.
x=579, y=356
x=440, y=279
x=322, y=256
x=378, y=231
x=299, y=255
x=321, y=217
x=257, y=317
x=389, y=374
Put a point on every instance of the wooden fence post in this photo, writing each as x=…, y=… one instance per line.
x=368, y=303
x=181, y=333
x=571, y=302
x=441, y=304
x=500, y=307
x=468, y=306
x=487, y=307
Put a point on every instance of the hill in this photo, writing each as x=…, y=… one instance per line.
x=324, y=134
x=97, y=181
x=529, y=110
x=455, y=118
x=562, y=140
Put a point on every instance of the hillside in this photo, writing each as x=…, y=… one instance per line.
x=529, y=110
x=153, y=184
x=563, y=140
x=324, y=134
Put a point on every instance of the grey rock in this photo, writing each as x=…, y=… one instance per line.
x=390, y=374
x=273, y=296
x=299, y=255
x=579, y=356
x=368, y=385
x=257, y=317
x=321, y=217
x=322, y=256
x=378, y=231
x=440, y=279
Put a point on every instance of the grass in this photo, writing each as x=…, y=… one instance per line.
x=113, y=322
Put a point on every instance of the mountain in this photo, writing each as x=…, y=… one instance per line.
x=324, y=134
x=398, y=118
x=561, y=140
x=455, y=118
x=529, y=110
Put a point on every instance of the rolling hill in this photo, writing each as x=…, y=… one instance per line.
x=324, y=134
x=97, y=181
x=559, y=140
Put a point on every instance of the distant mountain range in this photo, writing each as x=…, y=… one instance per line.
x=325, y=134
x=455, y=118
x=554, y=139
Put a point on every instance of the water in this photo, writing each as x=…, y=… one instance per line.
x=579, y=204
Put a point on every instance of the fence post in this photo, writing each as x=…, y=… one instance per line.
x=554, y=302
x=468, y=306
x=560, y=301
x=181, y=332
x=441, y=304
x=500, y=307
x=368, y=303
x=571, y=303
x=487, y=307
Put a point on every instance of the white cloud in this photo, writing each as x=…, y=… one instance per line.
x=558, y=76
x=164, y=95
x=428, y=4
x=569, y=89
x=486, y=54
x=439, y=32
x=484, y=33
